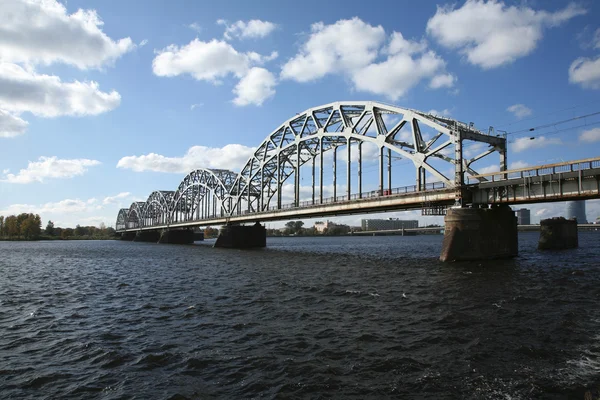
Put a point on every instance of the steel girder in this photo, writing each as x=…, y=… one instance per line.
x=310, y=134
x=202, y=193
x=157, y=208
x=122, y=219
x=305, y=138
x=135, y=215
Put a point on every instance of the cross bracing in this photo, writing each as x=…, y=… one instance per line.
x=329, y=138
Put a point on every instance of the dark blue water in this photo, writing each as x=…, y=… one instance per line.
x=369, y=317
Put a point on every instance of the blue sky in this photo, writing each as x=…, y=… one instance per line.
x=102, y=102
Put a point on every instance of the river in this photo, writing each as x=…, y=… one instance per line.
x=350, y=318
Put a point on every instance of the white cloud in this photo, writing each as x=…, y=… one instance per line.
x=207, y=61
x=115, y=198
x=398, y=74
x=195, y=27
x=520, y=110
x=590, y=135
x=442, y=81
x=42, y=32
x=196, y=105
x=443, y=113
x=525, y=143
x=63, y=206
x=496, y=167
x=351, y=47
x=491, y=34
x=11, y=126
x=212, y=61
x=50, y=167
x=254, y=28
x=255, y=87
x=69, y=212
x=143, y=43
x=23, y=90
x=585, y=72
x=232, y=157
x=518, y=164
x=346, y=45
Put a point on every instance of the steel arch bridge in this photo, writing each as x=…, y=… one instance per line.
x=335, y=136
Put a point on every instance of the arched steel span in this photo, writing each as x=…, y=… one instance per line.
x=202, y=193
x=135, y=215
x=122, y=219
x=307, y=136
x=303, y=140
x=157, y=208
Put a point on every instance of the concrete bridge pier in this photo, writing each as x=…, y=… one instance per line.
x=147, y=236
x=242, y=237
x=176, y=236
x=128, y=236
x=480, y=234
x=558, y=233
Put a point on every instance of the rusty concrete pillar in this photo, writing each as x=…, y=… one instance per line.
x=558, y=233
x=479, y=234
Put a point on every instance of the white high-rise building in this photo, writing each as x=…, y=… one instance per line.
x=576, y=209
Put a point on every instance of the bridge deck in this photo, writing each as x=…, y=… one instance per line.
x=576, y=180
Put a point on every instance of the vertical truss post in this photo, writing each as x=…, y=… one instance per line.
x=360, y=169
x=248, y=183
x=314, y=160
x=349, y=169
x=334, y=173
x=419, y=183
x=459, y=175
x=321, y=171
x=239, y=196
x=381, y=170
x=389, y=171
x=278, y=181
x=262, y=189
x=503, y=161
x=297, y=183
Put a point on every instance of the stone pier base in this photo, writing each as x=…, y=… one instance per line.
x=147, y=236
x=242, y=237
x=198, y=236
x=177, y=236
x=128, y=236
x=558, y=233
x=479, y=234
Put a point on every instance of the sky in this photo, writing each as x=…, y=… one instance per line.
x=103, y=102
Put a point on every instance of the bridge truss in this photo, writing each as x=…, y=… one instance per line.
x=334, y=137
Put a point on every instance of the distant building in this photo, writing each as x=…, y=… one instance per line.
x=576, y=209
x=523, y=216
x=321, y=226
x=386, y=224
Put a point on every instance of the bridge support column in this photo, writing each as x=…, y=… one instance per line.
x=242, y=237
x=558, y=233
x=177, y=236
x=128, y=236
x=480, y=234
x=147, y=236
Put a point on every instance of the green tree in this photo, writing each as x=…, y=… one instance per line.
x=49, y=228
x=1, y=225
x=11, y=226
x=66, y=233
x=79, y=230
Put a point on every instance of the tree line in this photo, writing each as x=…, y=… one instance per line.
x=29, y=227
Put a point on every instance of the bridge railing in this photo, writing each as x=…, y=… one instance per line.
x=548, y=169
x=364, y=195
